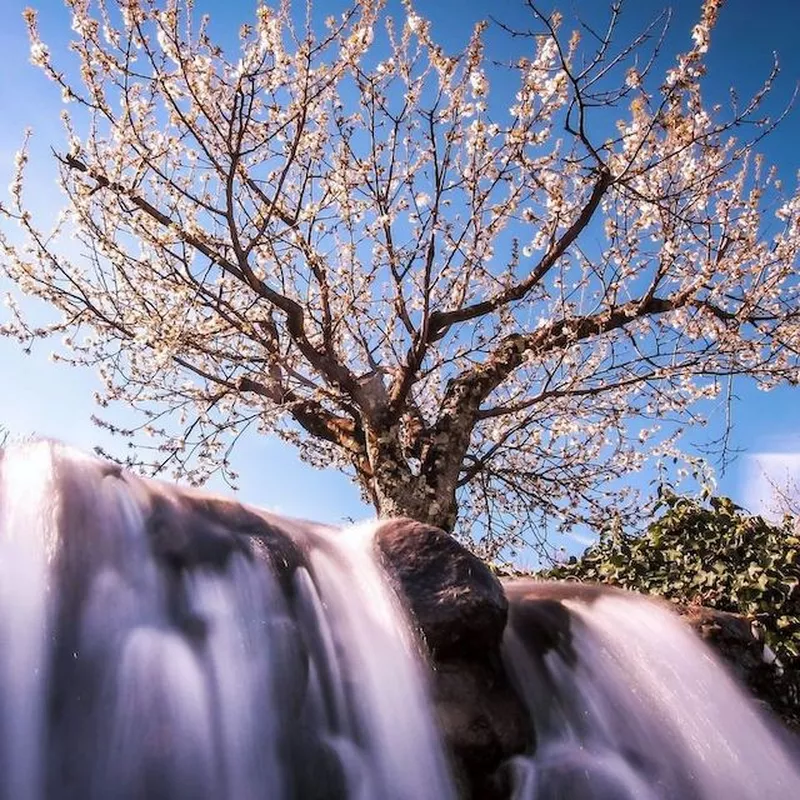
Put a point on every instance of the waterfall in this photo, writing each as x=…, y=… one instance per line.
x=162, y=644
x=629, y=704
x=26, y=529
x=131, y=669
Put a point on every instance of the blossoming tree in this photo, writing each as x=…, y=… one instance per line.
x=482, y=311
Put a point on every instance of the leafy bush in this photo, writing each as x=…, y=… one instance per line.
x=713, y=555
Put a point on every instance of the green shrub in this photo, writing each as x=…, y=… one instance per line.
x=709, y=554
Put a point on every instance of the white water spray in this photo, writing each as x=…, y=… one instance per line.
x=26, y=533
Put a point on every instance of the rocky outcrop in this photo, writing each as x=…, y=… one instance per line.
x=461, y=611
x=151, y=583
x=457, y=603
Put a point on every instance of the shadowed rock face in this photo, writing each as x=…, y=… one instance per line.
x=461, y=611
x=537, y=613
x=458, y=603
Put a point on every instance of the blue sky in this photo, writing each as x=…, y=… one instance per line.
x=54, y=400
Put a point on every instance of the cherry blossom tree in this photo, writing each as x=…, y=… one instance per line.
x=486, y=309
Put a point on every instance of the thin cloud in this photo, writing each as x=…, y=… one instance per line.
x=763, y=473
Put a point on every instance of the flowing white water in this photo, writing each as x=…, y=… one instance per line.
x=631, y=705
x=242, y=658
x=391, y=710
x=26, y=511
x=127, y=674
x=150, y=651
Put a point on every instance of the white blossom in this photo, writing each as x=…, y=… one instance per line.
x=423, y=199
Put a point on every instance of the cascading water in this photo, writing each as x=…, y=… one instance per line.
x=25, y=534
x=629, y=704
x=161, y=644
x=126, y=671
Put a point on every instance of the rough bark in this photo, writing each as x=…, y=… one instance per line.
x=426, y=494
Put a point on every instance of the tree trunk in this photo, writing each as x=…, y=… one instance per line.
x=399, y=493
x=397, y=490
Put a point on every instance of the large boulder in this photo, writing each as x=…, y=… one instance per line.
x=461, y=611
x=457, y=601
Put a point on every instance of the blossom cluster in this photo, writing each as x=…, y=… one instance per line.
x=351, y=238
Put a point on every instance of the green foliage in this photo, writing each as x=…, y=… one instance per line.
x=713, y=555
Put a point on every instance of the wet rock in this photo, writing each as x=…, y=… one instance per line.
x=461, y=611
x=482, y=721
x=191, y=529
x=457, y=601
x=183, y=539
x=731, y=635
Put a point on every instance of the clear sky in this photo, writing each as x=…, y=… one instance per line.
x=54, y=400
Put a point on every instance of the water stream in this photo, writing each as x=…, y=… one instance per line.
x=629, y=704
x=122, y=678
x=142, y=656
